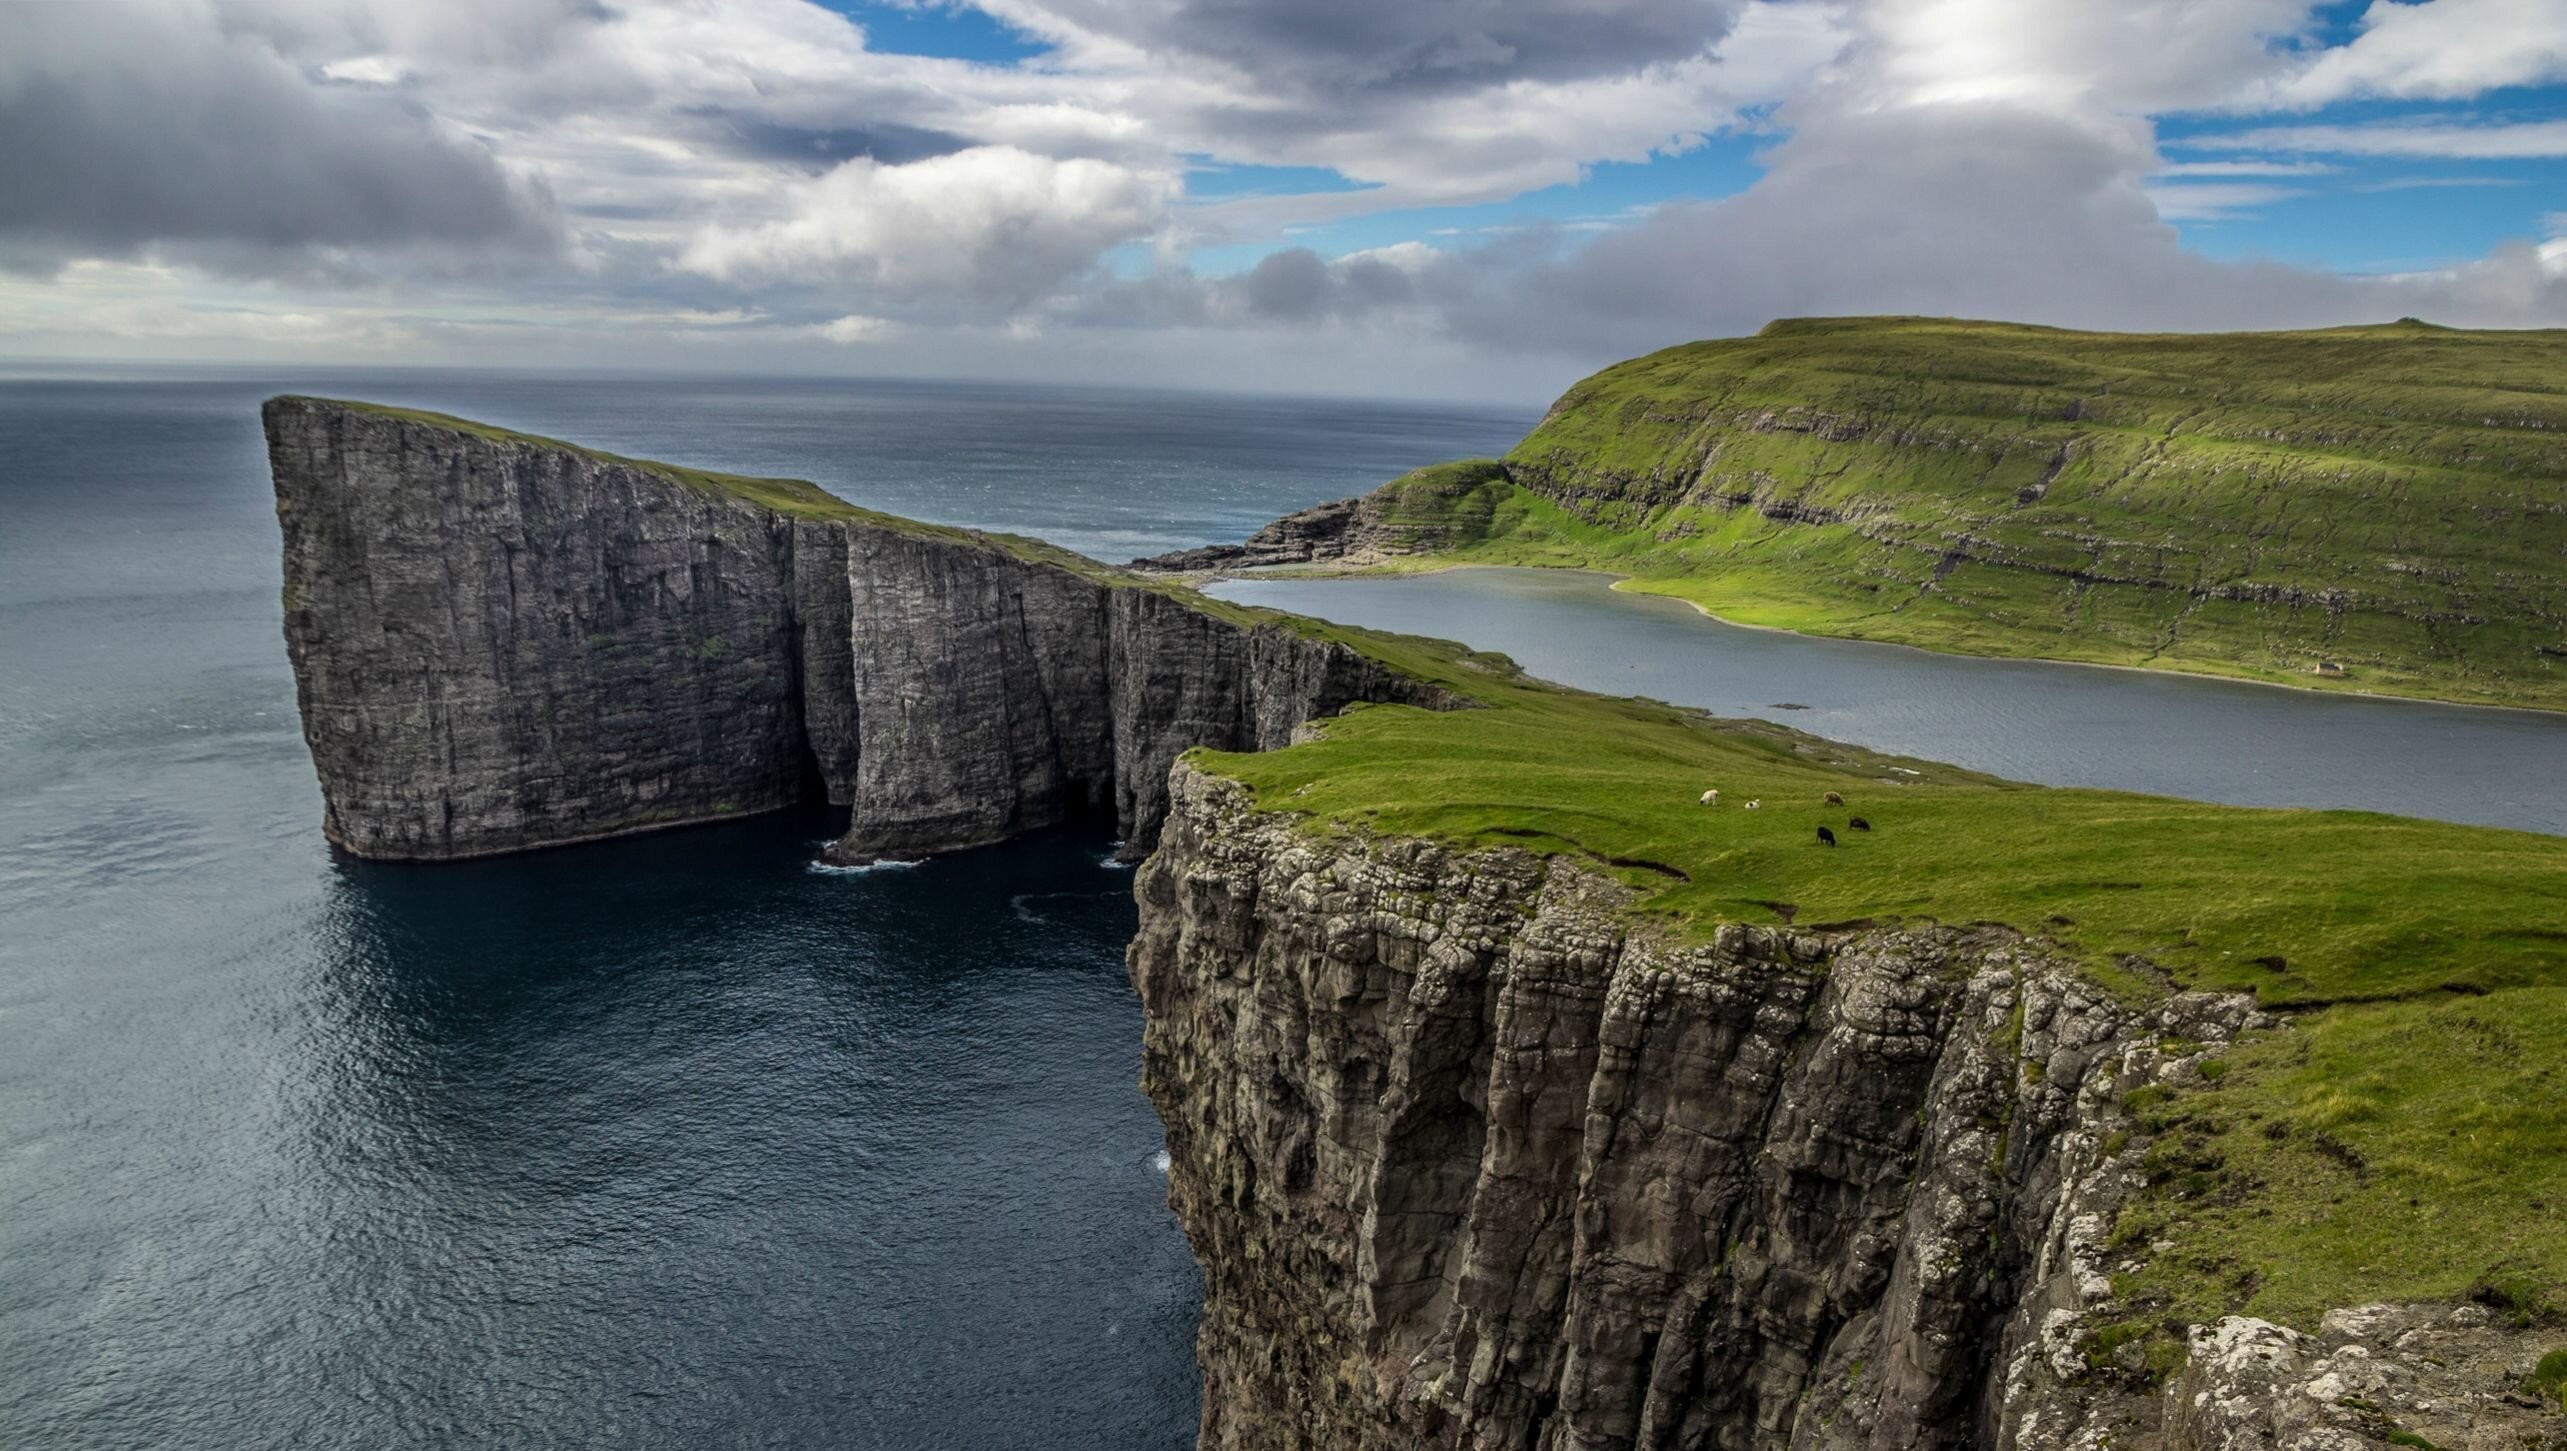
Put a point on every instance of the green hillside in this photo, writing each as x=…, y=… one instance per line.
x=2374, y=508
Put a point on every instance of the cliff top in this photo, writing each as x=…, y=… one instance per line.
x=796, y=497
x=2401, y=1142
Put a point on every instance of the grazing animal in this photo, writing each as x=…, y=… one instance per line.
x=1858, y=823
x=1826, y=837
x=1711, y=797
x=1752, y=805
x=1835, y=800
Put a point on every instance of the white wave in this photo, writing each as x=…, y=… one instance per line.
x=1159, y=1161
x=832, y=869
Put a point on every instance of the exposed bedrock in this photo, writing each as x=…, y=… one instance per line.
x=502, y=643
x=1469, y=1162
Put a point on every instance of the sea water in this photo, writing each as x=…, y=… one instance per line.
x=663, y=1142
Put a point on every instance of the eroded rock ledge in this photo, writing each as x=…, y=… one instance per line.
x=1470, y=1161
x=503, y=643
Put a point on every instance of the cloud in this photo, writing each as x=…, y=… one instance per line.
x=992, y=224
x=2458, y=140
x=148, y=126
x=749, y=180
x=2439, y=50
x=2246, y=168
x=2216, y=201
x=1973, y=209
x=1359, y=47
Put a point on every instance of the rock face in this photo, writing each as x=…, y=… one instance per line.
x=1470, y=1163
x=503, y=643
x=1329, y=531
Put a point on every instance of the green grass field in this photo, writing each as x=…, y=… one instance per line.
x=2388, y=500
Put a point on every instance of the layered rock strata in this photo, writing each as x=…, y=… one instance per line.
x=502, y=643
x=1471, y=1161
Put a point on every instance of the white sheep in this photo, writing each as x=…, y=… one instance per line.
x=1752, y=805
x=1711, y=797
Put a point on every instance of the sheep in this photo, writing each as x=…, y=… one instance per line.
x=1858, y=823
x=1752, y=805
x=1826, y=837
x=1835, y=800
x=1711, y=797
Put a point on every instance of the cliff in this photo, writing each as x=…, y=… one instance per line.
x=1538, y=1075
x=1476, y=1157
x=503, y=642
x=2379, y=509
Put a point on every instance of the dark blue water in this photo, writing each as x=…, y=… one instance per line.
x=668, y=1142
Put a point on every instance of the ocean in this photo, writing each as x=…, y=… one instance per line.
x=666, y=1142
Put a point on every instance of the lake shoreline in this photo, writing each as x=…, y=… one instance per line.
x=1615, y=582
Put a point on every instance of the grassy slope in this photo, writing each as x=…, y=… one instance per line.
x=2393, y=499
x=2426, y=964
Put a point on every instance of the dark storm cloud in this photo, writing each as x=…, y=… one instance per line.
x=1333, y=45
x=1407, y=46
x=819, y=148
x=144, y=127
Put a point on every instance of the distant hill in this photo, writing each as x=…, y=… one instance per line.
x=2369, y=508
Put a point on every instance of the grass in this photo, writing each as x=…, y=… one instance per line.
x=2390, y=500
x=2396, y=1151
x=2424, y=964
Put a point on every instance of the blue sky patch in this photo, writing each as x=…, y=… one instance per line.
x=948, y=32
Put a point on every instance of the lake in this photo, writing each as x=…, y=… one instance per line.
x=2062, y=725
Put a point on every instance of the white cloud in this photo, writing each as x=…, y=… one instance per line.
x=2458, y=140
x=2215, y=201
x=2246, y=168
x=2440, y=50
x=991, y=222
x=856, y=327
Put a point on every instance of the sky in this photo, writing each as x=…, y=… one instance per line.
x=1414, y=198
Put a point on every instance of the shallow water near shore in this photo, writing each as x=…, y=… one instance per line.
x=666, y=1142
x=2057, y=724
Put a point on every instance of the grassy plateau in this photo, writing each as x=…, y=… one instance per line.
x=2375, y=508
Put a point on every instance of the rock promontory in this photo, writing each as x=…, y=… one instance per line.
x=503, y=642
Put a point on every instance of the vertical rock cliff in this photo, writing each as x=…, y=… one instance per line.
x=503, y=642
x=1470, y=1162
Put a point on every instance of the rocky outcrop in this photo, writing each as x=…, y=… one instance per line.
x=1440, y=507
x=1320, y=533
x=1473, y=1161
x=502, y=642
